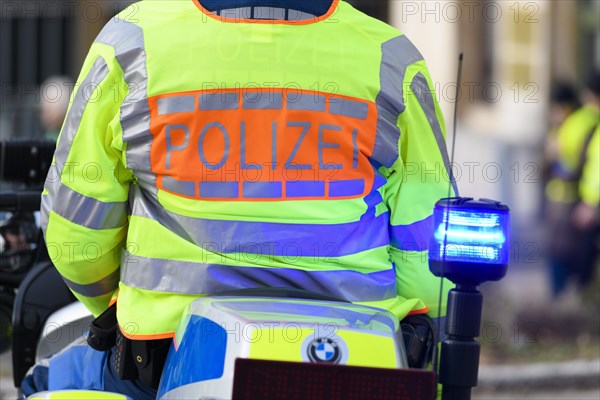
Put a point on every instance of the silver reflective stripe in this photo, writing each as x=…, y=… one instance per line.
x=295, y=15
x=95, y=76
x=98, y=288
x=349, y=108
x=97, y=73
x=397, y=55
x=180, y=187
x=262, y=100
x=268, y=238
x=237, y=13
x=269, y=13
x=219, y=101
x=128, y=41
x=305, y=101
x=89, y=212
x=45, y=212
x=184, y=277
x=421, y=90
x=176, y=104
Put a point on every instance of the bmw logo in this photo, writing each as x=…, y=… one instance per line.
x=324, y=350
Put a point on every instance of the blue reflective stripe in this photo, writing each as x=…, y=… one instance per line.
x=223, y=190
x=412, y=237
x=262, y=190
x=349, y=108
x=325, y=240
x=373, y=198
x=351, y=187
x=305, y=189
x=186, y=277
x=219, y=101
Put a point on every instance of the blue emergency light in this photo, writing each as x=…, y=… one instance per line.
x=470, y=243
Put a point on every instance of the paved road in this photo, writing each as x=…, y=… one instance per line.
x=567, y=395
x=8, y=392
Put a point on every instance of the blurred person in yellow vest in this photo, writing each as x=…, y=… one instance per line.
x=564, y=100
x=572, y=193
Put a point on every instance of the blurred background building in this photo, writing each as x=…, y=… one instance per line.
x=514, y=51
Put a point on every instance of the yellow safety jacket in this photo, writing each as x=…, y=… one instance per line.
x=572, y=137
x=203, y=152
x=589, y=184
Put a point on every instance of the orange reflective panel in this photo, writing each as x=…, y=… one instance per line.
x=262, y=144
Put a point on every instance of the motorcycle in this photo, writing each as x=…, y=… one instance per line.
x=284, y=343
x=23, y=166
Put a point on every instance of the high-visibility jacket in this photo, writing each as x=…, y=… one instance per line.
x=203, y=153
x=589, y=184
x=573, y=137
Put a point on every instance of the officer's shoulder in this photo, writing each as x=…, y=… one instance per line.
x=583, y=114
x=370, y=26
x=148, y=13
x=581, y=120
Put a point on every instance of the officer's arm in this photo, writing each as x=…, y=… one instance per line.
x=84, y=203
x=416, y=181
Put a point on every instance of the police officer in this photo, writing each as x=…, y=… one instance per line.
x=573, y=193
x=216, y=145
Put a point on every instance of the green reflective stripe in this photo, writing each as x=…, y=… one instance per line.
x=397, y=55
x=103, y=286
x=424, y=95
x=176, y=104
x=88, y=212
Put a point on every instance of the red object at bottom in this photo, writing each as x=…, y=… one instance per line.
x=260, y=379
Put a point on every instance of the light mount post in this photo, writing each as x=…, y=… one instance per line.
x=470, y=245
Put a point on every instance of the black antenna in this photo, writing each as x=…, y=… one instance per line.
x=450, y=180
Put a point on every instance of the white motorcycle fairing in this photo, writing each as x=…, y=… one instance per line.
x=214, y=331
